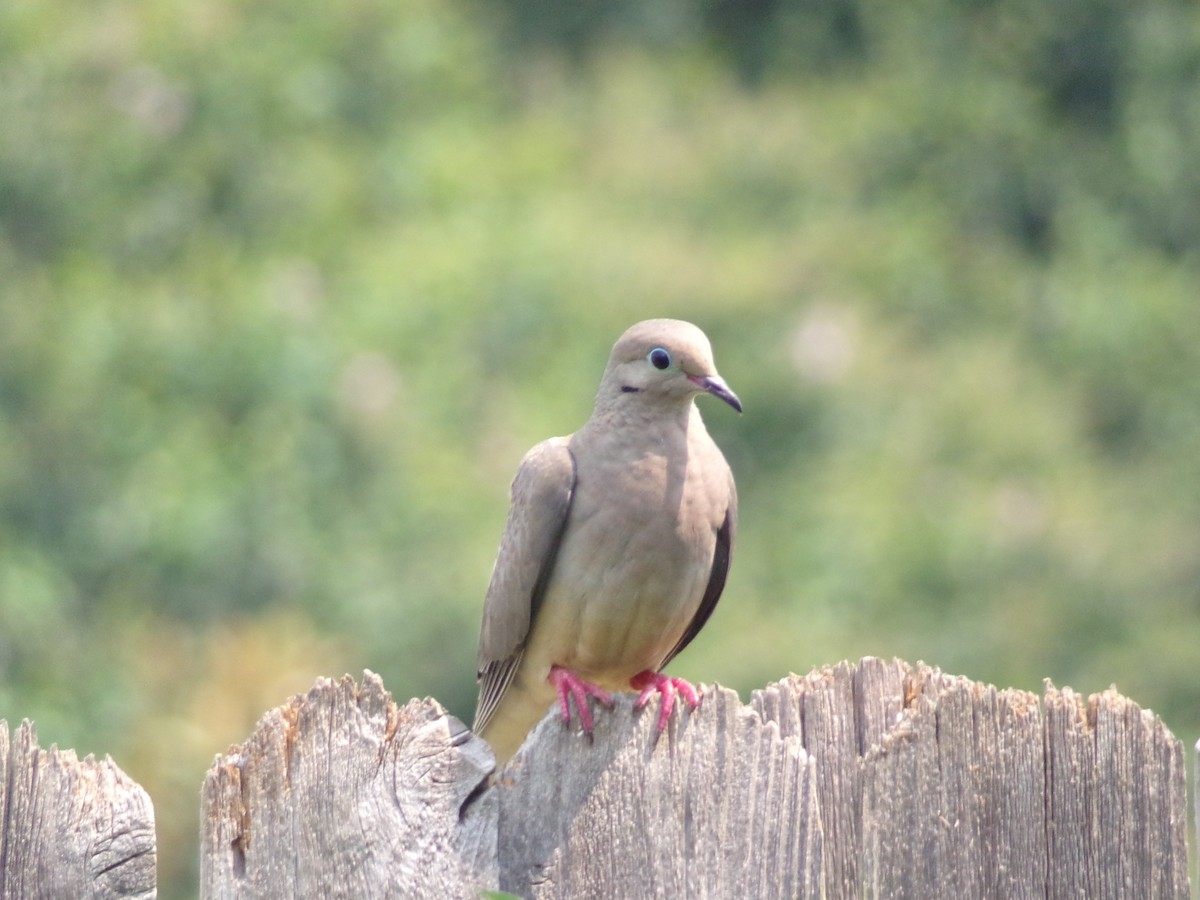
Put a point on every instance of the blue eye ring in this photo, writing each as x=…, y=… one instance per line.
x=660, y=358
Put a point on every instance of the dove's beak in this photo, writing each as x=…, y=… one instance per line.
x=715, y=385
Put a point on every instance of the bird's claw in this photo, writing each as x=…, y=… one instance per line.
x=650, y=683
x=570, y=686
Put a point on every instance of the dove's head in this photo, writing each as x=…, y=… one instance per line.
x=663, y=361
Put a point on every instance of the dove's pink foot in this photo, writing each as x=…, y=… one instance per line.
x=570, y=686
x=656, y=682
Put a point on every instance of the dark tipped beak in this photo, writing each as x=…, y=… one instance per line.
x=715, y=385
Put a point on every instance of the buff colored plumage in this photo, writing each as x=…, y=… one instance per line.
x=616, y=547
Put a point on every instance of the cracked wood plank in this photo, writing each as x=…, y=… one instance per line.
x=70, y=827
x=341, y=793
x=721, y=806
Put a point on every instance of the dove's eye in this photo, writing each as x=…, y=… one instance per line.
x=659, y=357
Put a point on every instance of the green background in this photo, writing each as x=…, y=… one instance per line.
x=288, y=288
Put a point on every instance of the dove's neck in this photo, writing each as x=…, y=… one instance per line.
x=633, y=405
x=639, y=423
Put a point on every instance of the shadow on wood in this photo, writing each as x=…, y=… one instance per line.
x=70, y=827
x=871, y=780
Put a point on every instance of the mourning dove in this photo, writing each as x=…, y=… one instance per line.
x=616, y=546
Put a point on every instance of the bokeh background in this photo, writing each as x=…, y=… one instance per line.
x=287, y=289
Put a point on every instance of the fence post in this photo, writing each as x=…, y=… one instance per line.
x=70, y=827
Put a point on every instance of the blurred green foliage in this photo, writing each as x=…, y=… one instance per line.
x=286, y=290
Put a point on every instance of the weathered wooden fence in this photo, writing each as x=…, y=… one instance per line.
x=70, y=827
x=874, y=780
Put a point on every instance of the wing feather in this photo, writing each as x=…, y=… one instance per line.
x=537, y=515
x=722, y=554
